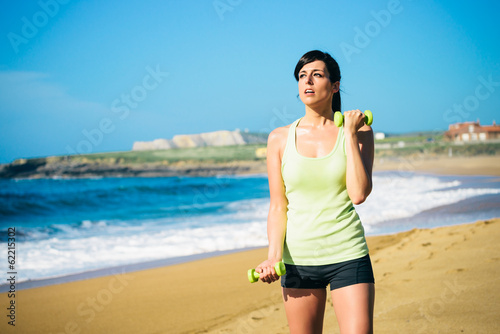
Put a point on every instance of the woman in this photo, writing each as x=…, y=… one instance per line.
x=316, y=172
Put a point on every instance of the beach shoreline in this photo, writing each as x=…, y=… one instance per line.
x=114, y=270
x=425, y=278
x=449, y=213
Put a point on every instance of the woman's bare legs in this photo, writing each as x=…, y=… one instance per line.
x=305, y=310
x=353, y=307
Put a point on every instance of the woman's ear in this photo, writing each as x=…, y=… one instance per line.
x=335, y=87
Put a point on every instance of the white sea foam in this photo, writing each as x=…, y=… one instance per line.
x=397, y=196
x=57, y=256
x=99, y=244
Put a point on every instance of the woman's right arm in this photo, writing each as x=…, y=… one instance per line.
x=276, y=219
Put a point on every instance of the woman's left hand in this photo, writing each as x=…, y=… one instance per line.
x=267, y=272
x=353, y=121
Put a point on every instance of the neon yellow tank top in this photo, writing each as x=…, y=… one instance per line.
x=322, y=225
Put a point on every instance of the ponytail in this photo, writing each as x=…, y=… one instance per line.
x=336, y=104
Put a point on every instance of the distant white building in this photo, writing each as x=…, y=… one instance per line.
x=216, y=138
x=379, y=135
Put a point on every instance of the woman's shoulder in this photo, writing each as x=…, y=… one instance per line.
x=278, y=137
x=279, y=134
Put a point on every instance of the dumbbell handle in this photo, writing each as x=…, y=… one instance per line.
x=254, y=276
x=338, y=118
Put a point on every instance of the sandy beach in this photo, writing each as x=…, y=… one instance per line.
x=478, y=165
x=440, y=280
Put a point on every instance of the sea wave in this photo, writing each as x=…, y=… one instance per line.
x=401, y=196
x=57, y=256
x=70, y=226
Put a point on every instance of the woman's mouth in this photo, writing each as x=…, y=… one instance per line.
x=309, y=91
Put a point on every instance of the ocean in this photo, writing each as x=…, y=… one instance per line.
x=73, y=226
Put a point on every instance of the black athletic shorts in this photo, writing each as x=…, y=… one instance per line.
x=338, y=275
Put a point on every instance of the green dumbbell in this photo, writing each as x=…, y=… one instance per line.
x=338, y=118
x=279, y=267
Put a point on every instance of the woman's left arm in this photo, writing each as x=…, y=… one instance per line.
x=360, y=153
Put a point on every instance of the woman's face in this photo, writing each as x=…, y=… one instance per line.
x=315, y=87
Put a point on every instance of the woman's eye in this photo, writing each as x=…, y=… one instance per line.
x=318, y=75
x=302, y=75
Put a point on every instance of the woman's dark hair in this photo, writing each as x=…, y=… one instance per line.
x=331, y=65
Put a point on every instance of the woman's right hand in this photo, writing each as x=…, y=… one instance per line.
x=267, y=272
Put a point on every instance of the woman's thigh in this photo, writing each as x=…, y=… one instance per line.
x=353, y=305
x=305, y=309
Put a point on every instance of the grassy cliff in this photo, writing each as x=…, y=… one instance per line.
x=213, y=154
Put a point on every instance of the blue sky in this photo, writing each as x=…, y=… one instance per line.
x=95, y=76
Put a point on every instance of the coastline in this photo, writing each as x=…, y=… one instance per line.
x=44, y=168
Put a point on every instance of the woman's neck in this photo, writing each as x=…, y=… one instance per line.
x=318, y=116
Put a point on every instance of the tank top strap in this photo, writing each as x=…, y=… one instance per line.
x=341, y=139
x=290, y=141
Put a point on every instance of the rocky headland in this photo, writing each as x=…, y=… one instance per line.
x=79, y=168
x=204, y=154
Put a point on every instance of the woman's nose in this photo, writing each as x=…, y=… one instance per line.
x=309, y=79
